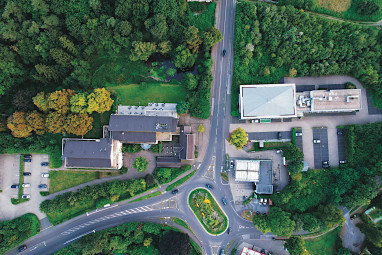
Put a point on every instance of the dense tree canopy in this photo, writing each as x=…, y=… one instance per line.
x=238, y=138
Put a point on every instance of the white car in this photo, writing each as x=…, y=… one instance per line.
x=316, y=141
x=25, y=196
x=26, y=185
x=46, y=175
x=299, y=134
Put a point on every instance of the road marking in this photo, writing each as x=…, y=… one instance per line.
x=100, y=210
x=93, y=231
x=46, y=228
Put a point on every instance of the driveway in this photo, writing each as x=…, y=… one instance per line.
x=9, y=172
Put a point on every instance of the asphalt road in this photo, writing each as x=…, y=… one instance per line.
x=55, y=238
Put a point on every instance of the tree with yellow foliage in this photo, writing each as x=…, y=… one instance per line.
x=99, y=101
x=56, y=123
x=41, y=101
x=36, y=121
x=79, y=124
x=60, y=100
x=18, y=124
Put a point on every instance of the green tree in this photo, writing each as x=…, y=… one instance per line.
x=296, y=246
x=330, y=216
x=142, y=50
x=192, y=39
x=141, y=164
x=157, y=26
x=184, y=58
x=238, y=138
x=61, y=57
x=212, y=37
x=78, y=103
x=189, y=81
x=41, y=101
x=171, y=72
x=182, y=107
x=311, y=223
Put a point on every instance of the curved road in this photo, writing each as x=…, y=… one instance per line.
x=55, y=238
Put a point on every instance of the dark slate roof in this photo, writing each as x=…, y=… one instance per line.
x=139, y=123
x=96, y=149
x=134, y=137
x=168, y=162
x=264, y=186
x=88, y=153
x=88, y=162
x=187, y=142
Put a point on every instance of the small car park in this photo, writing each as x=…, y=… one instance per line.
x=27, y=174
x=316, y=141
x=209, y=186
x=223, y=201
x=174, y=191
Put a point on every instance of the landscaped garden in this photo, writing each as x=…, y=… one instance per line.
x=208, y=211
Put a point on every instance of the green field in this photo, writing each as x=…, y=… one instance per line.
x=324, y=244
x=134, y=94
x=60, y=180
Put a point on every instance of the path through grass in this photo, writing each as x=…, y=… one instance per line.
x=324, y=244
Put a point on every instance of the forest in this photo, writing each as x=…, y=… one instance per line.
x=134, y=238
x=272, y=42
x=14, y=232
x=58, y=56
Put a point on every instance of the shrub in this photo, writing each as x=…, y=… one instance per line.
x=154, y=148
x=141, y=164
x=131, y=148
x=123, y=170
x=367, y=7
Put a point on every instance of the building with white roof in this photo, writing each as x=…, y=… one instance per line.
x=257, y=171
x=267, y=101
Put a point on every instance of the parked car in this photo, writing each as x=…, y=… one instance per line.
x=299, y=134
x=222, y=252
x=262, y=251
x=15, y=186
x=27, y=156
x=45, y=163
x=279, y=151
x=342, y=161
x=229, y=230
x=316, y=141
x=325, y=164
x=279, y=135
x=232, y=164
x=340, y=133
x=174, y=191
x=265, y=201
x=224, y=52
x=27, y=174
x=42, y=186
x=223, y=200
x=209, y=186
x=45, y=175
x=26, y=185
x=26, y=196
x=22, y=248
x=27, y=160
x=261, y=201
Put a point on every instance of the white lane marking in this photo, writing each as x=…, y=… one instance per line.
x=100, y=210
x=93, y=231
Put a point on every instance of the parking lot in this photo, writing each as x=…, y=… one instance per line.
x=341, y=146
x=299, y=139
x=35, y=179
x=321, y=150
x=9, y=175
x=270, y=136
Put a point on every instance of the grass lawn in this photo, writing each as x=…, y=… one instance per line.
x=347, y=9
x=154, y=194
x=180, y=181
x=205, y=19
x=208, y=211
x=60, y=180
x=224, y=176
x=324, y=244
x=181, y=222
x=134, y=94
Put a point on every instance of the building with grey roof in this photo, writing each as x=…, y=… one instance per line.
x=167, y=162
x=257, y=171
x=92, y=153
x=144, y=124
x=267, y=101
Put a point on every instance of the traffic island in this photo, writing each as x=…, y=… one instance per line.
x=208, y=211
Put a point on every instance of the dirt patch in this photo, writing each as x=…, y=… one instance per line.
x=335, y=5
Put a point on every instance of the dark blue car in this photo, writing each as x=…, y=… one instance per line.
x=209, y=186
x=45, y=163
x=27, y=160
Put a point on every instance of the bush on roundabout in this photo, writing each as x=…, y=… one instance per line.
x=208, y=211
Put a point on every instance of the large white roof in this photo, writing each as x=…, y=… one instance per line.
x=267, y=101
x=247, y=170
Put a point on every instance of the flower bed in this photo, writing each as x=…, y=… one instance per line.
x=208, y=211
